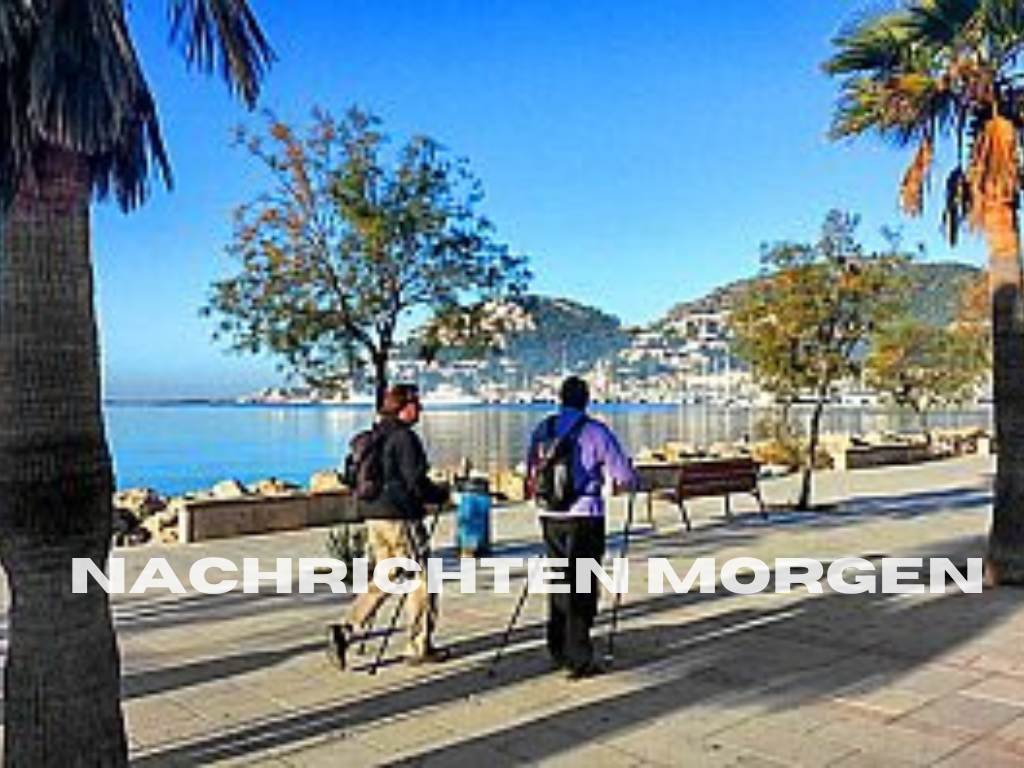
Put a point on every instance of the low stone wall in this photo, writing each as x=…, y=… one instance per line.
x=209, y=518
x=865, y=456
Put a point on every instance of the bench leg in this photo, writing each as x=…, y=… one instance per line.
x=650, y=507
x=728, y=508
x=686, y=515
x=756, y=493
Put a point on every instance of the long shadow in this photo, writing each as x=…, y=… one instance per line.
x=780, y=659
x=796, y=652
x=749, y=525
x=142, y=614
x=155, y=681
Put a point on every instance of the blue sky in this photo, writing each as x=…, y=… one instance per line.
x=639, y=151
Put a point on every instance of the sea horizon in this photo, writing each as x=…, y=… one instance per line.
x=184, y=445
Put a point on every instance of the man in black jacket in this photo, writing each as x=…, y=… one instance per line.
x=395, y=528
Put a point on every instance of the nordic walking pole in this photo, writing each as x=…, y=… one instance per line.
x=511, y=625
x=623, y=554
x=401, y=601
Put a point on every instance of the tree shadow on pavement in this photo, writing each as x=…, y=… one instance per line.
x=676, y=652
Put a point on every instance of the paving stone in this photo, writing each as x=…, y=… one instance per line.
x=402, y=735
x=1010, y=736
x=473, y=719
x=157, y=722
x=958, y=713
x=1008, y=690
x=981, y=754
x=237, y=706
x=333, y=752
x=767, y=738
x=535, y=744
x=472, y=756
x=591, y=756
x=938, y=680
x=888, y=702
x=871, y=760
x=891, y=740
x=249, y=761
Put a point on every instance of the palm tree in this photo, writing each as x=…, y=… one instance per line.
x=76, y=121
x=936, y=70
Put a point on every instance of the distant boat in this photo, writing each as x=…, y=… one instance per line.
x=858, y=399
x=447, y=396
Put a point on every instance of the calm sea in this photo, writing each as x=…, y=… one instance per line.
x=178, y=448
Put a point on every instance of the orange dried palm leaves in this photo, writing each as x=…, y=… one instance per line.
x=994, y=173
x=912, y=186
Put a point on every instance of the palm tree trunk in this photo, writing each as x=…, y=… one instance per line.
x=62, y=673
x=1006, y=537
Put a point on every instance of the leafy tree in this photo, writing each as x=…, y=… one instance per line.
x=76, y=119
x=349, y=240
x=802, y=327
x=922, y=366
x=949, y=69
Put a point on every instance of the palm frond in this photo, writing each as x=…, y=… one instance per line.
x=942, y=23
x=17, y=17
x=223, y=35
x=70, y=79
x=1004, y=22
x=85, y=93
x=914, y=180
x=875, y=44
x=994, y=170
x=16, y=24
x=901, y=108
x=957, y=205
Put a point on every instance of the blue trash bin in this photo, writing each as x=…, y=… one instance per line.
x=473, y=518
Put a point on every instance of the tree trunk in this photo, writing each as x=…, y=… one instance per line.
x=806, y=482
x=62, y=673
x=380, y=378
x=1006, y=537
x=922, y=420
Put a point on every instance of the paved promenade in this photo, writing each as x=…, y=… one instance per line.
x=698, y=680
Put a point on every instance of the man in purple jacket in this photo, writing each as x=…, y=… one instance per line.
x=579, y=531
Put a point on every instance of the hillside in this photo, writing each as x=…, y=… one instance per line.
x=933, y=289
x=565, y=334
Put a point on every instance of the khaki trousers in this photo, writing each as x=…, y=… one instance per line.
x=400, y=538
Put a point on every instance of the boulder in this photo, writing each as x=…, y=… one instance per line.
x=229, y=489
x=127, y=530
x=163, y=527
x=677, y=450
x=327, y=481
x=141, y=502
x=273, y=486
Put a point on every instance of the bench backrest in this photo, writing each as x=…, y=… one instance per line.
x=716, y=477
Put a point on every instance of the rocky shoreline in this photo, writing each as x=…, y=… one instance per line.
x=143, y=515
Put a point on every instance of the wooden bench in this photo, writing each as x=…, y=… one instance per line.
x=693, y=479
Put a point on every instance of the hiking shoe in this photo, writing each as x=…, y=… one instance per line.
x=590, y=669
x=337, y=645
x=433, y=655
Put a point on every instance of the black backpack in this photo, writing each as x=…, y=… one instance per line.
x=554, y=483
x=364, y=465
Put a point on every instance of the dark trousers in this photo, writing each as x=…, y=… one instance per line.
x=571, y=615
